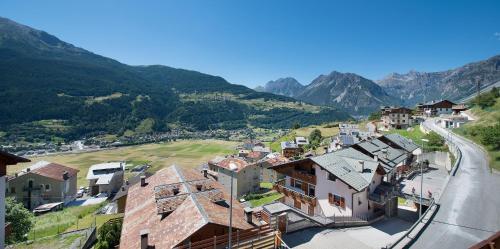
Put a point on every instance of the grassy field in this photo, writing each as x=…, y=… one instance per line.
x=484, y=117
x=265, y=199
x=185, y=153
x=414, y=133
x=326, y=131
x=57, y=222
x=55, y=242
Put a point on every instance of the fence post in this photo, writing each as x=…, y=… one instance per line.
x=238, y=238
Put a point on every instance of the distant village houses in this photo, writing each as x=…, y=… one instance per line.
x=436, y=108
x=396, y=117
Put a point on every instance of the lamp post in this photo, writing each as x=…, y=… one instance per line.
x=232, y=167
x=422, y=178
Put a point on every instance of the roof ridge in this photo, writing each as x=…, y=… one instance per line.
x=191, y=194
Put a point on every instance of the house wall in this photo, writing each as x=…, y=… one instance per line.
x=60, y=191
x=245, y=181
x=113, y=186
x=121, y=202
x=325, y=186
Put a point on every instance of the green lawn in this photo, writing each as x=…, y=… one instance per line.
x=265, y=198
x=53, y=242
x=414, y=133
x=57, y=222
x=267, y=185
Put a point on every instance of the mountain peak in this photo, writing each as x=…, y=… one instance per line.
x=287, y=86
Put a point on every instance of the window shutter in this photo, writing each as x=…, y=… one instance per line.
x=342, y=202
x=330, y=198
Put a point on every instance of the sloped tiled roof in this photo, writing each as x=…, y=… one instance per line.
x=224, y=163
x=187, y=215
x=54, y=171
x=389, y=156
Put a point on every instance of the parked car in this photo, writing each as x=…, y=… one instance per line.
x=80, y=192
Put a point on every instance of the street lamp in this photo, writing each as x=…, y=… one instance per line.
x=232, y=167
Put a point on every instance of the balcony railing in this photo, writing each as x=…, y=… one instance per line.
x=280, y=187
x=382, y=193
x=304, y=176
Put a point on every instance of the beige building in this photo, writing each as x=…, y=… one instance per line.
x=396, y=117
x=246, y=177
x=42, y=183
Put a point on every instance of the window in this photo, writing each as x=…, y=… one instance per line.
x=336, y=200
x=298, y=184
x=47, y=187
x=312, y=190
x=331, y=177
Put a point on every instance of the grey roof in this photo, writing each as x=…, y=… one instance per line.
x=403, y=142
x=348, y=139
x=288, y=144
x=348, y=169
x=390, y=158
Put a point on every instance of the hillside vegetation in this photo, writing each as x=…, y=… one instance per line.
x=486, y=129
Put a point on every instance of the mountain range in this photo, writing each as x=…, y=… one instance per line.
x=283, y=86
x=361, y=96
x=51, y=88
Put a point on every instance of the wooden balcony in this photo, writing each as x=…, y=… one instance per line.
x=280, y=187
x=304, y=176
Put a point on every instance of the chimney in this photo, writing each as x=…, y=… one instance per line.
x=65, y=175
x=375, y=157
x=248, y=214
x=143, y=181
x=28, y=169
x=205, y=173
x=123, y=188
x=362, y=163
x=384, y=152
x=144, y=238
x=126, y=182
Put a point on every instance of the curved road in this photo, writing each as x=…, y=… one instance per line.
x=470, y=204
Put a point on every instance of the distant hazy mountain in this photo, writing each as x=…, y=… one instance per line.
x=283, y=86
x=414, y=87
x=42, y=78
x=348, y=91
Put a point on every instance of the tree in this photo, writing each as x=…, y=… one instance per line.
x=434, y=139
x=315, y=137
x=109, y=235
x=296, y=126
x=21, y=220
x=375, y=116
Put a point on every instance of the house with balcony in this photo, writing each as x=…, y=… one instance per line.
x=290, y=149
x=436, y=108
x=42, y=183
x=396, y=117
x=246, y=176
x=345, y=183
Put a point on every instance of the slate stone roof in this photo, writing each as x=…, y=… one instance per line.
x=348, y=169
x=182, y=215
x=402, y=142
x=389, y=156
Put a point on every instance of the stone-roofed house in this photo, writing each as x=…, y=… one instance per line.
x=175, y=207
x=436, y=108
x=43, y=182
x=333, y=184
x=290, y=149
x=396, y=117
x=246, y=177
x=267, y=173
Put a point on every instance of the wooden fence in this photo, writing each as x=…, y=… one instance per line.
x=240, y=239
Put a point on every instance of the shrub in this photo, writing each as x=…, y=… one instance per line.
x=21, y=220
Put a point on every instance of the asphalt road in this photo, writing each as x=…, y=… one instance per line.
x=470, y=204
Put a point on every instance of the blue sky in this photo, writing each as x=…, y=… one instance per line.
x=252, y=42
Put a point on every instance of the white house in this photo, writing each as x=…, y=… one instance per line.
x=105, y=177
x=333, y=184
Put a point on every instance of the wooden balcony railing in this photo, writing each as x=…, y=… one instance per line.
x=280, y=187
x=304, y=176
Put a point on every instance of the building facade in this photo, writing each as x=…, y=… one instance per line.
x=396, y=117
x=43, y=183
x=246, y=178
x=105, y=177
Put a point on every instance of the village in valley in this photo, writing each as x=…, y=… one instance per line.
x=297, y=190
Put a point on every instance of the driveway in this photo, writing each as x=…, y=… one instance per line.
x=470, y=204
x=378, y=235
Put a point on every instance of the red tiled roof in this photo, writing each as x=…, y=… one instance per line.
x=55, y=171
x=240, y=163
x=188, y=214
